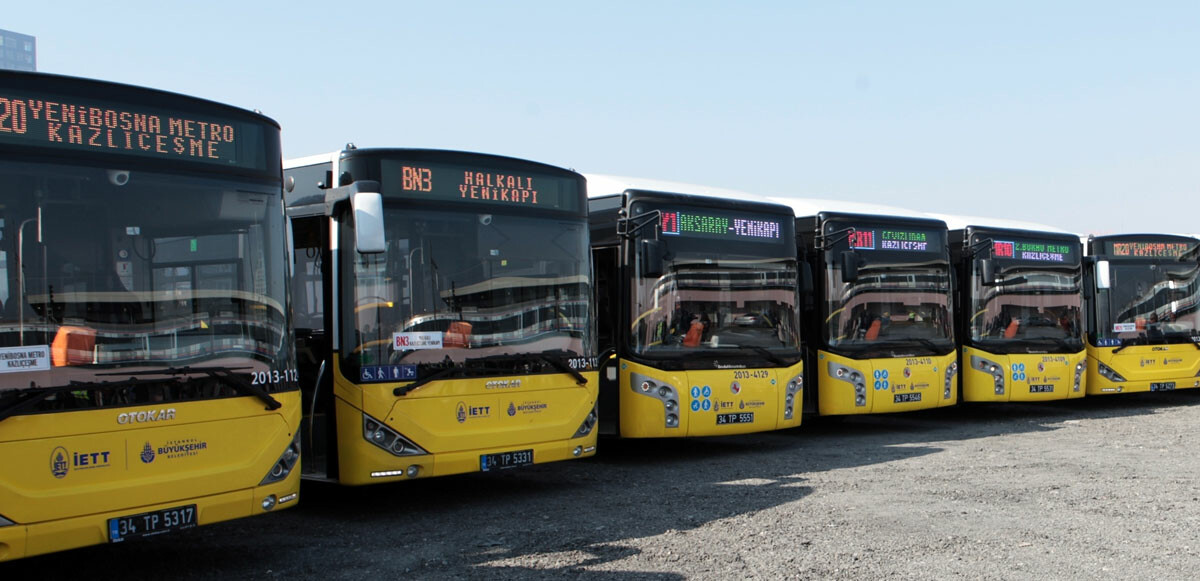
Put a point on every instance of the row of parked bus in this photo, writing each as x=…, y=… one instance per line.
x=183, y=313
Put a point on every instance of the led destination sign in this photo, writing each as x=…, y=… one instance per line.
x=1032, y=250
x=478, y=185
x=894, y=239
x=85, y=124
x=722, y=225
x=1140, y=249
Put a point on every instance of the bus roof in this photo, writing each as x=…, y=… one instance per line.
x=104, y=89
x=310, y=159
x=605, y=185
x=804, y=207
x=957, y=222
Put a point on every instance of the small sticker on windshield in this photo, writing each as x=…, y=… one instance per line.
x=1124, y=327
x=415, y=340
x=28, y=358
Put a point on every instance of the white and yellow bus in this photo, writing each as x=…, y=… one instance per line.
x=697, y=293
x=881, y=330
x=1143, y=321
x=444, y=313
x=147, y=373
x=1020, y=310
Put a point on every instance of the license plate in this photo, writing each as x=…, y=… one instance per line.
x=1041, y=389
x=1164, y=386
x=740, y=418
x=151, y=523
x=907, y=397
x=504, y=460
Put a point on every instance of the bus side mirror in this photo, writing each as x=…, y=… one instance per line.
x=650, y=257
x=1102, y=274
x=368, y=222
x=849, y=266
x=987, y=271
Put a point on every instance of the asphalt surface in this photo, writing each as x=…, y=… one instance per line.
x=1104, y=487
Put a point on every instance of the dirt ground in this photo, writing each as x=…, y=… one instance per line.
x=1100, y=488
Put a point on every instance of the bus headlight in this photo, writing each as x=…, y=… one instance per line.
x=663, y=392
x=991, y=368
x=852, y=376
x=1108, y=373
x=284, y=465
x=789, y=401
x=375, y=432
x=1079, y=369
x=588, y=423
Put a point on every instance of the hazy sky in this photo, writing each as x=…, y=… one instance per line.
x=1081, y=115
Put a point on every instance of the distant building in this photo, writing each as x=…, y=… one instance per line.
x=18, y=52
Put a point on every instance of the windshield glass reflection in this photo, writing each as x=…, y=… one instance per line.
x=460, y=286
x=147, y=272
x=715, y=304
x=1153, y=303
x=898, y=305
x=1028, y=307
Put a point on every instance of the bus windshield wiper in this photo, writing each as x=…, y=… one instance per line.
x=1059, y=341
x=439, y=374
x=926, y=343
x=554, y=357
x=225, y=375
x=29, y=397
x=1126, y=343
x=773, y=358
x=551, y=357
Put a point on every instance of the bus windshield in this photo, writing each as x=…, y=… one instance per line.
x=1149, y=302
x=711, y=301
x=890, y=307
x=112, y=273
x=1028, y=309
x=461, y=286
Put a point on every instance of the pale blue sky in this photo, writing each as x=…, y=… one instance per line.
x=1077, y=114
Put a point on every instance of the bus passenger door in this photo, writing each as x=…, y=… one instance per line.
x=608, y=313
x=314, y=349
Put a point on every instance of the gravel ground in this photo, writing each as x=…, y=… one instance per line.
x=1101, y=488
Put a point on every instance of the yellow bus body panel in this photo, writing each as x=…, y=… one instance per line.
x=702, y=395
x=1026, y=376
x=1142, y=365
x=888, y=385
x=211, y=453
x=458, y=420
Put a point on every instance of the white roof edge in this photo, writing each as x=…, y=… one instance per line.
x=813, y=206
x=310, y=159
x=959, y=222
x=604, y=184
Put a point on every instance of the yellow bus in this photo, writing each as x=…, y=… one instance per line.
x=147, y=375
x=444, y=313
x=1143, y=321
x=881, y=332
x=1020, y=310
x=697, y=299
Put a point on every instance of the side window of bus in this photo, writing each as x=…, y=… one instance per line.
x=308, y=297
x=8, y=274
x=307, y=283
